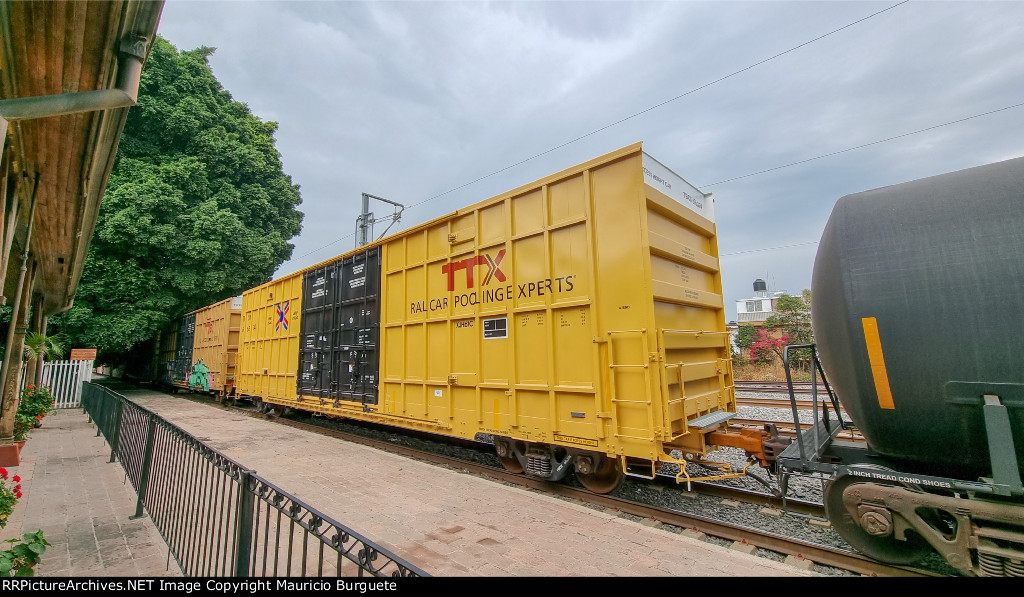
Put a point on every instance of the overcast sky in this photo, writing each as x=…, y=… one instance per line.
x=409, y=100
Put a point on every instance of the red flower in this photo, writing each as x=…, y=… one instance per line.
x=3, y=473
x=39, y=417
x=16, y=479
x=31, y=387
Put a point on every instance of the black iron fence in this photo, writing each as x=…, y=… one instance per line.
x=219, y=518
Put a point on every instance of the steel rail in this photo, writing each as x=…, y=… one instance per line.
x=799, y=387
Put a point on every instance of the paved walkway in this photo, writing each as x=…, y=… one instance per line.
x=446, y=522
x=82, y=504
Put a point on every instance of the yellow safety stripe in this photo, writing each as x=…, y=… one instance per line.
x=874, y=346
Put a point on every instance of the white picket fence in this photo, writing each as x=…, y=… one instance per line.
x=64, y=378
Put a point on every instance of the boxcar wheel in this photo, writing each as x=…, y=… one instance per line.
x=511, y=464
x=605, y=479
x=886, y=549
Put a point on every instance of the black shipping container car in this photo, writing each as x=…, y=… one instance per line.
x=183, y=353
x=338, y=351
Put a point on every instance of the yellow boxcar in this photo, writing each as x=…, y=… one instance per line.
x=268, y=357
x=215, y=347
x=578, y=320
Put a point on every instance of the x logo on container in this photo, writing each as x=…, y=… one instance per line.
x=282, y=316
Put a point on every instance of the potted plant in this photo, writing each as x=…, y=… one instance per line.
x=23, y=555
x=22, y=424
x=9, y=495
x=36, y=403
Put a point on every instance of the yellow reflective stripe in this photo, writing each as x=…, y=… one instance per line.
x=874, y=346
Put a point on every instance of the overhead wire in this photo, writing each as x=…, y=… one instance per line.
x=765, y=171
x=810, y=242
x=930, y=128
x=860, y=146
x=620, y=121
x=656, y=106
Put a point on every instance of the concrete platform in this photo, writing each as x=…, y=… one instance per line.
x=82, y=504
x=443, y=521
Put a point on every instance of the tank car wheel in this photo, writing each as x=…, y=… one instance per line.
x=605, y=479
x=279, y=409
x=887, y=548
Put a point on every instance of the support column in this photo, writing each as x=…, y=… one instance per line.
x=13, y=359
x=10, y=224
x=16, y=333
x=8, y=186
x=34, y=366
x=42, y=330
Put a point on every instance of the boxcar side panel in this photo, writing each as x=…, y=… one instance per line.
x=268, y=358
x=216, y=346
x=489, y=321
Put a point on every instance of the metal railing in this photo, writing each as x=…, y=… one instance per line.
x=218, y=517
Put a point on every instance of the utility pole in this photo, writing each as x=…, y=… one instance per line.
x=365, y=221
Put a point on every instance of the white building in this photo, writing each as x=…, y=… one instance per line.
x=754, y=310
x=757, y=308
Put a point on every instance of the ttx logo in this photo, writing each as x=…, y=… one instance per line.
x=469, y=264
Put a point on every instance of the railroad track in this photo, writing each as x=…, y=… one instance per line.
x=783, y=403
x=820, y=554
x=775, y=387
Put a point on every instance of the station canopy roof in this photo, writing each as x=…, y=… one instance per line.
x=50, y=53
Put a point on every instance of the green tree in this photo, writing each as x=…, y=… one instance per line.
x=197, y=208
x=792, y=317
x=746, y=335
x=39, y=346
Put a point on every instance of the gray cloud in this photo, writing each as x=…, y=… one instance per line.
x=409, y=100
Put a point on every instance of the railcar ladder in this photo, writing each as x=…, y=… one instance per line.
x=643, y=368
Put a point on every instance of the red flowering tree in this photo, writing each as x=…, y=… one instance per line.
x=766, y=346
x=792, y=319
